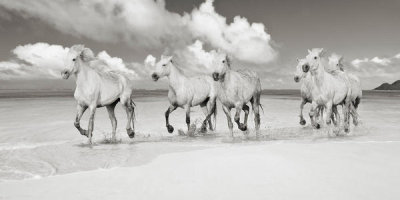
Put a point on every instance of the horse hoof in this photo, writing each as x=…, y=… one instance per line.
x=131, y=134
x=317, y=126
x=203, y=129
x=346, y=130
x=355, y=123
x=242, y=127
x=303, y=122
x=85, y=133
x=170, y=129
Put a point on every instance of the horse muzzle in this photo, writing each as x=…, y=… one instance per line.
x=215, y=76
x=65, y=74
x=155, y=77
x=296, y=79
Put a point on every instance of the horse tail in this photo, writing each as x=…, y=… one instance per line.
x=214, y=111
x=261, y=106
x=356, y=102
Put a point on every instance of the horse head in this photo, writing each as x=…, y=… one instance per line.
x=336, y=62
x=222, y=64
x=313, y=60
x=163, y=67
x=76, y=54
x=300, y=74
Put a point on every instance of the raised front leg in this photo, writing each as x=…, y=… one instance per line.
x=80, y=109
x=302, y=120
x=92, y=110
x=227, y=112
x=169, y=111
x=111, y=114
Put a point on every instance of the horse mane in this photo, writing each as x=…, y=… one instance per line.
x=98, y=65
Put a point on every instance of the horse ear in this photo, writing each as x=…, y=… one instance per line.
x=228, y=61
x=162, y=57
x=309, y=51
x=321, y=52
x=297, y=59
x=340, y=59
x=169, y=58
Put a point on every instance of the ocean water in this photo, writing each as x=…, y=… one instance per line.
x=38, y=139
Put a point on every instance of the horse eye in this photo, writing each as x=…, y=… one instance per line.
x=315, y=57
x=164, y=65
x=223, y=61
x=73, y=59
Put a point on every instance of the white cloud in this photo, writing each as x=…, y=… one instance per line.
x=146, y=23
x=381, y=61
x=247, y=42
x=42, y=60
x=376, y=70
x=357, y=62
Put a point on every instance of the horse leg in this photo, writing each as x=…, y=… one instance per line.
x=255, y=104
x=188, y=116
x=80, y=110
x=211, y=106
x=245, y=109
x=132, y=106
x=241, y=126
x=111, y=114
x=328, y=107
x=227, y=112
x=129, y=114
x=312, y=115
x=205, y=111
x=335, y=115
x=346, y=115
x=354, y=114
x=92, y=110
x=169, y=111
x=302, y=120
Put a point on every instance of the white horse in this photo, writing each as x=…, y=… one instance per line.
x=306, y=93
x=329, y=89
x=98, y=86
x=237, y=88
x=336, y=64
x=186, y=92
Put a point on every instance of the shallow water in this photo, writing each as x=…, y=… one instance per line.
x=38, y=139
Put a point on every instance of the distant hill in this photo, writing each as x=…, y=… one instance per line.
x=387, y=86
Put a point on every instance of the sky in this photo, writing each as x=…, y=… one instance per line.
x=266, y=36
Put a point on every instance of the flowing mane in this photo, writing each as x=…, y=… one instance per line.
x=100, y=66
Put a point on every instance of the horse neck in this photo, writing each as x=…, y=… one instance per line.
x=176, y=78
x=227, y=78
x=83, y=75
x=319, y=76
